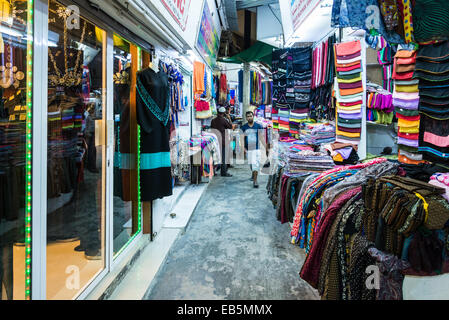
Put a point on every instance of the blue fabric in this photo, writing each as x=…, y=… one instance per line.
x=125, y=161
x=241, y=86
x=360, y=14
x=149, y=161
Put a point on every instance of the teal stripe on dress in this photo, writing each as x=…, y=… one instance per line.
x=126, y=161
x=149, y=161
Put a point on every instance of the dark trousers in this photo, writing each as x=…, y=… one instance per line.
x=224, y=165
x=91, y=153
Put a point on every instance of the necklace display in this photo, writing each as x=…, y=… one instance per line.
x=9, y=74
x=70, y=77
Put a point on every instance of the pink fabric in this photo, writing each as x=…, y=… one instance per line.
x=436, y=140
x=295, y=228
x=441, y=185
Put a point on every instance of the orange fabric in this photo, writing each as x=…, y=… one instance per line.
x=406, y=60
x=404, y=159
x=338, y=158
x=348, y=48
x=198, y=77
x=348, y=64
x=348, y=92
x=405, y=54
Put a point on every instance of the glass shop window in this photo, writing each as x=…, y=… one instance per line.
x=125, y=156
x=16, y=66
x=76, y=153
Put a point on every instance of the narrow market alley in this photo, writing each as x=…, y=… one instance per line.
x=233, y=248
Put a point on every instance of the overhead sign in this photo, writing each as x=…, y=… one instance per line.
x=300, y=10
x=179, y=10
x=208, y=42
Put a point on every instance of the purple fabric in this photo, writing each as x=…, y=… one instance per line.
x=353, y=85
x=345, y=152
x=407, y=142
x=349, y=56
x=406, y=104
x=350, y=115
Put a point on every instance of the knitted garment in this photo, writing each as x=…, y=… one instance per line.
x=295, y=228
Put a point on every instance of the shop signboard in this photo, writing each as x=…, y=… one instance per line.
x=300, y=10
x=208, y=41
x=179, y=10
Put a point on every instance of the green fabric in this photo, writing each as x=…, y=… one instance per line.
x=259, y=52
x=431, y=20
x=406, y=112
x=348, y=76
x=407, y=148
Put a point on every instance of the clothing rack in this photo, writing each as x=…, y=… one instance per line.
x=329, y=34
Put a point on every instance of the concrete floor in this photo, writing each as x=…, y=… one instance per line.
x=233, y=248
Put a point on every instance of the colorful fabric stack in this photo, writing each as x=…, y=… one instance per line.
x=432, y=70
x=297, y=116
x=349, y=91
x=275, y=118
x=406, y=101
x=284, y=119
x=379, y=106
x=318, y=133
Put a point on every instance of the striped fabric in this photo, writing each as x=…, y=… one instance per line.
x=431, y=20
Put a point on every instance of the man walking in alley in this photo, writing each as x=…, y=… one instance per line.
x=221, y=124
x=252, y=130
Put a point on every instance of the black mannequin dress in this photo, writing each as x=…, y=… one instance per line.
x=153, y=114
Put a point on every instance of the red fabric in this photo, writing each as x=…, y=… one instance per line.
x=410, y=136
x=408, y=118
x=343, y=69
x=201, y=105
x=348, y=48
x=350, y=104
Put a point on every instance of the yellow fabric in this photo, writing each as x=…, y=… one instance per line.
x=412, y=88
x=409, y=129
x=348, y=134
x=408, y=124
x=356, y=107
x=338, y=158
x=425, y=205
x=350, y=80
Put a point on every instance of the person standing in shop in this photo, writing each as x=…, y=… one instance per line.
x=251, y=131
x=90, y=139
x=221, y=124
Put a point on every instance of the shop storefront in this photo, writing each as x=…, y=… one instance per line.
x=70, y=146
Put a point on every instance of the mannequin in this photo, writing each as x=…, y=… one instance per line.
x=154, y=65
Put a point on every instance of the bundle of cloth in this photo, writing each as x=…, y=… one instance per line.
x=379, y=103
x=406, y=101
x=349, y=91
x=432, y=71
x=342, y=153
x=316, y=134
x=308, y=161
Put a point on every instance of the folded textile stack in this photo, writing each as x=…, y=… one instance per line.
x=406, y=101
x=379, y=105
x=299, y=78
x=275, y=118
x=308, y=161
x=343, y=153
x=297, y=116
x=284, y=119
x=349, y=91
x=432, y=70
x=318, y=134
